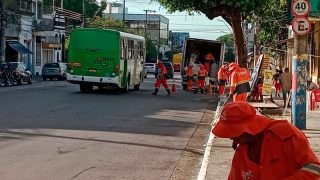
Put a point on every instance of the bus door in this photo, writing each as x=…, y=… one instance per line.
x=136, y=64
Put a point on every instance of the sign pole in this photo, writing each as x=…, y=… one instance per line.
x=299, y=82
x=301, y=26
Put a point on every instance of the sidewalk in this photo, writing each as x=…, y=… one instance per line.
x=222, y=152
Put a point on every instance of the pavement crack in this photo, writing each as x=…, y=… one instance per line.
x=81, y=172
x=61, y=151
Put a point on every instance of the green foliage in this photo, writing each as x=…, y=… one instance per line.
x=273, y=22
x=229, y=44
x=107, y=23
x=152, y=51
x=247, y=7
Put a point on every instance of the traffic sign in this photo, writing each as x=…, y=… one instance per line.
x=301, y=25
x=300, y=7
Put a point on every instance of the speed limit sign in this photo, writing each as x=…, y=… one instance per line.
x=301, y=25
x=300, y=7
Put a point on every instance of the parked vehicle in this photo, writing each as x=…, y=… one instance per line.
x=18, y=71
x=150, y=68
x=54, y=70
x=201, y=47
x=177, y=58
x=106, y=58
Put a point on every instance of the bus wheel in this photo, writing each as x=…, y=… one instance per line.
x=86, y=88
x=136, y=87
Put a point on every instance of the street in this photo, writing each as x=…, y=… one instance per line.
x=49, y=130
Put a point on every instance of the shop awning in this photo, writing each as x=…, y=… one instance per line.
x=17, y=46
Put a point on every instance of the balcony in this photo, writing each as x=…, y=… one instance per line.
x=25, y=7
x=45, y=25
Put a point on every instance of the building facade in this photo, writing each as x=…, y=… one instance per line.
x=154, y=26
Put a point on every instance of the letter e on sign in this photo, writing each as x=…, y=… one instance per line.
x=300, y=7
x=301, y=25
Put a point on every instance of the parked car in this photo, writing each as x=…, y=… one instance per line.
x=54, y=70
x=150, y=68
x=19, y=71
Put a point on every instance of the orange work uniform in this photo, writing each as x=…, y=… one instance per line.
x=207, y=66
x=240, y=86
x=222, y=79
x=285, y=154
x=189, y=78
x=202, y=73
x=161, y=79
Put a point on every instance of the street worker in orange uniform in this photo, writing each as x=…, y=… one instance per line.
x=222, y=79
x=189, y=77
x=208, y=59
x=239, y=80
x=202, y=73
x=267, y=149
x=161, y=78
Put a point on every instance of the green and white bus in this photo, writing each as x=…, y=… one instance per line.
x=105, y=58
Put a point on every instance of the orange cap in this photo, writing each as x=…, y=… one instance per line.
x=209, y=56
x=237, y=118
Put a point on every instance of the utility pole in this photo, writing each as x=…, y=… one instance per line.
x=146, y=21
x=124, y=10
x=301, y=26
x=2, y=30
x=83, y=13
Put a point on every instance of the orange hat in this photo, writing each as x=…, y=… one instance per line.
x=209, y=56
x=233, y=66
x=237, y=118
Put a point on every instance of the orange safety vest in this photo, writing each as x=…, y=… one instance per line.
x=202, y=73
x=189, y=72
x=222, y=74
x=239, y=77
x=285, y=154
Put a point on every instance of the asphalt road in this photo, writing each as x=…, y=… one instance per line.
x=49, y=130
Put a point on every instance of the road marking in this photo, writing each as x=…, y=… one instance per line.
x=206, y=157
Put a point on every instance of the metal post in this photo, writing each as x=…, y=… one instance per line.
x=53, y=6
x=83, y=13
x=2, y=30
x=159, y=36
x=124, y=10
x=145, y=24
x=299, y=83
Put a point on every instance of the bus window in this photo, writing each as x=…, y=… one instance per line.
x=123, y=49
x=141, y=50
x=131, y=48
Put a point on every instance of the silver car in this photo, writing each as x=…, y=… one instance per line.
x=54, y=70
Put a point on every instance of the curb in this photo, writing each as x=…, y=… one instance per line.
x=206, y=157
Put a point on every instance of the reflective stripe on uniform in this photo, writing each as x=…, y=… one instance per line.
x=312, y=168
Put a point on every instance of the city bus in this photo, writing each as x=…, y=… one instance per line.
x=105, y=58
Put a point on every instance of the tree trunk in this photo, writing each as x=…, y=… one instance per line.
x=241, y=48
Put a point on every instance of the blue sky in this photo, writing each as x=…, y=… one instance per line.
x=198, y=25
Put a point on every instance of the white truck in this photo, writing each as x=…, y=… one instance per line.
x=194, y=53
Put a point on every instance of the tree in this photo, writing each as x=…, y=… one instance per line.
x=107, y=23
x=151, y=51
x=233, y=11
x=229, y=44
x=273, y=21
